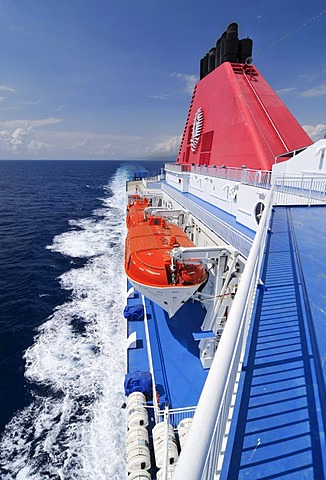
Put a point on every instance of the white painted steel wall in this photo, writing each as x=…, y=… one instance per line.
x=311, y=161
x=234, y=197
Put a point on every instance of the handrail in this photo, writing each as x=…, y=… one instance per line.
x=315, y=192
x=177, y=414
x=304, y=189
x=150, y=358
x=199, y=457
x=248, y=176
x=264, y=109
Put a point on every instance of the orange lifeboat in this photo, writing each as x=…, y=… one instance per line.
x=149, y=266
x=136, y=210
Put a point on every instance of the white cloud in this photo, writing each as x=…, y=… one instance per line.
x=90, y=145
x=189, y=81
x=285, y=91
x=82, y=144
x=27, y=103
x=163, y=96
x=36, y=146
x=20, y=138
x=314, y=92
x=62, y=108
x=168, y=147
x=18, y=134
x=315, y=132
x=3, y=88
x=28, y=124
x=106, y=149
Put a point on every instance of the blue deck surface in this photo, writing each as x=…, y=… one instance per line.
x=137, y=358
x=278, y=428
x=178, y=372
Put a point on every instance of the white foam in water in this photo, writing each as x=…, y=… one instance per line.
x=75, y=427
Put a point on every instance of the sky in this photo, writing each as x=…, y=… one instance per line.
x=112, y=79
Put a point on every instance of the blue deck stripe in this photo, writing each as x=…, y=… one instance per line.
x=178, y=371
x=162, y=385
x=180, y=354
x=278, y=430
x=137, y=358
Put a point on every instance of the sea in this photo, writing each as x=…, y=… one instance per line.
x=62, y=331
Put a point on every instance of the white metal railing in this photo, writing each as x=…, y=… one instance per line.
x=201, y=455
x=153, y=182
x=150, y=359
x=177, y=414
x=300, y=189
x=228, y=234
x=303, y=189
x=244, y=175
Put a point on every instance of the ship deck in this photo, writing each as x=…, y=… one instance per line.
x=178, y=372
x=278, y=426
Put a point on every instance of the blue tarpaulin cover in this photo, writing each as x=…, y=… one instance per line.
x=134, y=312
x=139, y=382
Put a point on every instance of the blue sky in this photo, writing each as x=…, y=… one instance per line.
x=105, y=79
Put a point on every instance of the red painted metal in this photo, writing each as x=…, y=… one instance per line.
x=250, y=124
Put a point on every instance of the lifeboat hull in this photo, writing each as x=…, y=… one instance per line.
x=169, y=298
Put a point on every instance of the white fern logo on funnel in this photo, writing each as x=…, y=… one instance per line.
x=196, y=130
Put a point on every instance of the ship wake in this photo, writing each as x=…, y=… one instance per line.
x=74, y=427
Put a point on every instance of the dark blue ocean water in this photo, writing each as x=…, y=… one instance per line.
x=61, y=237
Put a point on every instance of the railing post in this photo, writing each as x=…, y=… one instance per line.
x=243, y=174
x=166, y=443
x=310, y=190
